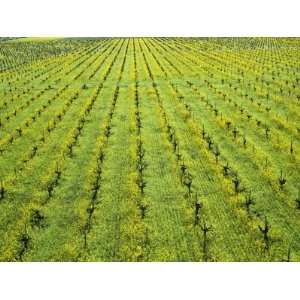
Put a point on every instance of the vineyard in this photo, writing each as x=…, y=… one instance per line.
x=150, y=149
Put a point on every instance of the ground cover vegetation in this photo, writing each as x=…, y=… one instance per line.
x=150, y=149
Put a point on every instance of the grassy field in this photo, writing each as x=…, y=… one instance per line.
x=150, y=149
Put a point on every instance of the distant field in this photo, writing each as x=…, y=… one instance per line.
x=150, y=149
x=33, y=39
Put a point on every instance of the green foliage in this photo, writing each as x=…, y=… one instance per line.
x=146, y=149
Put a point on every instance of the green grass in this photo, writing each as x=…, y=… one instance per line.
x=106, y=146
x=34, y=39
